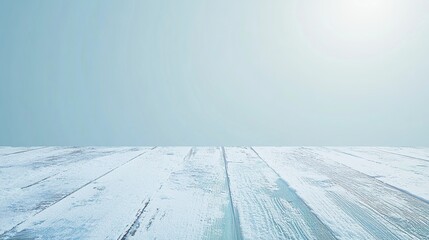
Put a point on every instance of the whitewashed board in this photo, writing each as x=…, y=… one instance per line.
x=214, y=193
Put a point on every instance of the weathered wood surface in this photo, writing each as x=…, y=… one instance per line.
x=214, y=193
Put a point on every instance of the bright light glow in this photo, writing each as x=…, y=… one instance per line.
x=363, y=16
x=365, y=9
x=351, y=27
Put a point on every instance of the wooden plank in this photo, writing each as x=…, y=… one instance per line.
x=104, y=207
x=352, y=204
x=5, y=150
x=35, y=191
x=410, y=152
x=400, y=163
x=21, y=170
x=408, y=174
x=265, y=205
x=192, y=204
x=236, y=193
x=32, y=155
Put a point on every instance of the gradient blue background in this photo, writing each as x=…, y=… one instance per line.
x=213, y=73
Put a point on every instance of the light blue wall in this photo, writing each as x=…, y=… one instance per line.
x=213, y=73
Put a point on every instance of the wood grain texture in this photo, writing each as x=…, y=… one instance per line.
x=214, y=193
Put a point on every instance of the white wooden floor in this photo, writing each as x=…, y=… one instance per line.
x=214, y=193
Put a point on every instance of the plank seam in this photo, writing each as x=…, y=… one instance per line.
x=41, y=180
x=418, y=198
x=236, y=221
x=403, y=155
x=314, y=214
x=86, y=184
x=29, y=150
x=136, y=224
